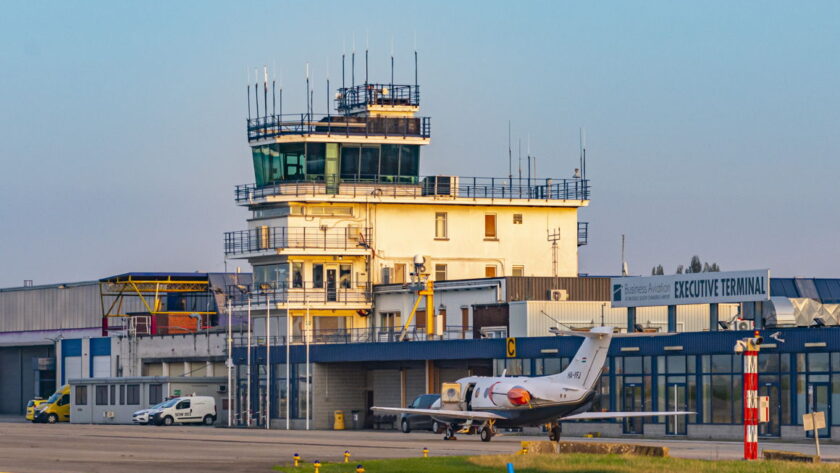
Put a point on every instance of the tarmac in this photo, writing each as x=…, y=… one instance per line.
x=83, y=448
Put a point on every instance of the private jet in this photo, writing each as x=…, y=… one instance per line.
x=481, y=404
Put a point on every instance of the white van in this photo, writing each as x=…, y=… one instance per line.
x=185, y=410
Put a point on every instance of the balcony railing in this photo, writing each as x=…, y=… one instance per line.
x=361, y=335
x=271, y=126
x=362, y=95
x=303, y=293
x=440, y=186
x=304, y=238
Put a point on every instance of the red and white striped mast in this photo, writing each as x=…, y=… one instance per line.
x=749, y=347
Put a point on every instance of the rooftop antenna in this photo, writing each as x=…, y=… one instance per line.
x=415, y=60
x=248, y=89
x=353, y=63
x=367, y=47
x=510, y=155
x=520, y=161
x=308, y=96
x=257, y=92
x=328, y=88
x=343, y=53
x=265, y=89
x=280, y=108
x=583, y=153
x=529, y=165
x=392, y=62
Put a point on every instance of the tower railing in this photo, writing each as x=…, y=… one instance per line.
x=430, y=186
x=272, y=238
x=272, y=126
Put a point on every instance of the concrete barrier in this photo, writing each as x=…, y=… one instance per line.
x=600, y=448
x=790, y=456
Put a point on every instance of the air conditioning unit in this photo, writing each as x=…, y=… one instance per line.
x=108, y=414
x=741, y=325
x=450, y=393
x=558, y=295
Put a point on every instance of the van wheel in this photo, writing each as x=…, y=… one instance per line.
x=52, y=418
x=437, y=428
x=168, y=420
x=208, y=420
x=404, y=426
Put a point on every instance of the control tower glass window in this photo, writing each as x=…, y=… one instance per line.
x=380, y=163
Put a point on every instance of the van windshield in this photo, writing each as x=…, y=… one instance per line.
x=170, y=402
x=54, y=397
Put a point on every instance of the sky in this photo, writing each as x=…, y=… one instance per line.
x=712, y=127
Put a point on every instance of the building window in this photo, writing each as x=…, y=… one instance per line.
x=440, y=272
x=132, y=394
x=440, y=226
x=490, y=227
x=101, y=395
x=297, y=275
x=122, y=394
x=345, y=275
x=155, y=394
x=318, y=275
x=268, y=276
x=399, y=273
x=519, y=271
x=81, y=396
x=390, y=320
x=490, y=271
x=113, y=395
x=517, y=219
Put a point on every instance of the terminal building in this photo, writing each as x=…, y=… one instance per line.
x=372, y=284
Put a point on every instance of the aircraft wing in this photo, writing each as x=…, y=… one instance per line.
x=442, y=413
x=615, y=415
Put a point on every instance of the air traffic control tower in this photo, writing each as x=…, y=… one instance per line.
x=339, y=205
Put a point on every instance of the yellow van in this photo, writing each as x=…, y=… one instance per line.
x=31, y=405
x=56, y=408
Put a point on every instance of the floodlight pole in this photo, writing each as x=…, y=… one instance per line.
x=248, y=377
x=230, y=363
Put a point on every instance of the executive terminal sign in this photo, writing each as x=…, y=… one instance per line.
x=692, y=288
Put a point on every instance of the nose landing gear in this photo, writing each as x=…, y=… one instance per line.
x=554, y=431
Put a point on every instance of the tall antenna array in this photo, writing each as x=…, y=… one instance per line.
x=510, y=155
x=583, y=153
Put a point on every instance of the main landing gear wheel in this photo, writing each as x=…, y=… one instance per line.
x=486, y=433
x=554, y=432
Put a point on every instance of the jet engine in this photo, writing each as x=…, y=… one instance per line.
x=508, y=395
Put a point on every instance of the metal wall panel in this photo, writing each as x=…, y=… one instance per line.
x=65, y=306
x=538, y=288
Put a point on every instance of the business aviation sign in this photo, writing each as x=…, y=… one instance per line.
x=691, y=288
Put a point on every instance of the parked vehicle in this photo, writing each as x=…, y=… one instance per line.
x=409, y=422
x=31, y=406
x=143, y=415
x=56, y=408
x=185, y=410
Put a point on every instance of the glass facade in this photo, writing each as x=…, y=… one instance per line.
x=293, y=162
x=711, y=385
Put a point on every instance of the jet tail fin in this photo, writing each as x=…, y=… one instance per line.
x=586, y=366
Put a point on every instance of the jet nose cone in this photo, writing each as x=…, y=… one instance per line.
x=518, y=396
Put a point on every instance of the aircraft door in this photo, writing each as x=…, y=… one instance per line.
x=773, y=428
x=676, y=400
x=468, y=396
x=633, y=400
x=819, y=400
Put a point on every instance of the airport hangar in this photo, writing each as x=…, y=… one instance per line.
x=354, y=369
